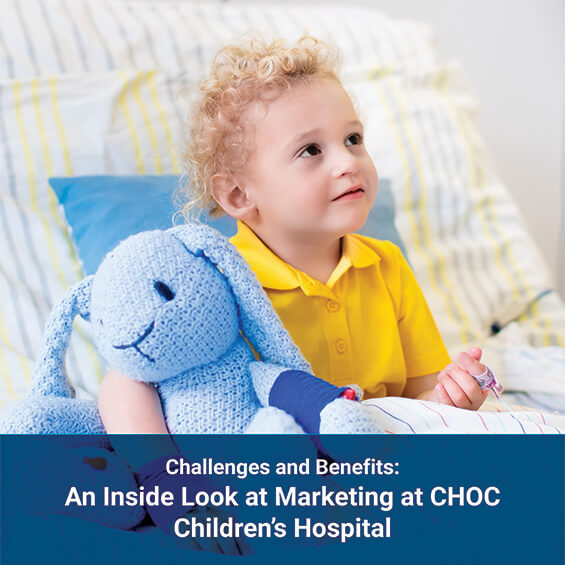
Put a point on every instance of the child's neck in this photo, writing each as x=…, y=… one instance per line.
x=318, y=260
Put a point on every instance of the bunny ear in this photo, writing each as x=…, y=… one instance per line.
x=49, y=375
x=259, y=321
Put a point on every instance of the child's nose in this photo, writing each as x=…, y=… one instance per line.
x=345, y=163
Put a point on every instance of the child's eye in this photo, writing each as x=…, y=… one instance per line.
x=310, y=151
x=354, y=139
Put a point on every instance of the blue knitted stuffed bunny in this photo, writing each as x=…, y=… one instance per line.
x=172, y=308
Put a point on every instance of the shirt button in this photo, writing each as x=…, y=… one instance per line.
x=341, y=345
x=332, y=305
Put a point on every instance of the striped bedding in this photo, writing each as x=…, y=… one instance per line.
x=409, y=416
x=92, y=87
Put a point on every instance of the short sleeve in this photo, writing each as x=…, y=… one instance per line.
x=424, y=350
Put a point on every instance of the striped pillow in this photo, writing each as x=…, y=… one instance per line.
x=123, y=122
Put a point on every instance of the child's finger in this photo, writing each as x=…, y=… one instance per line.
x=468, y=384
x=441, y=395
x=469, y=364
x=476, y=353
x=454, y=390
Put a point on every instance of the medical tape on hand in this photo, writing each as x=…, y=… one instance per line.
x=487, y=381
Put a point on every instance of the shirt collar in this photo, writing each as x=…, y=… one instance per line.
x=358, y=252
x=274, y=273
x=271, y=271
x=354, y=253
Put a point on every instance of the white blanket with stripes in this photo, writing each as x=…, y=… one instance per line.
x=91, y=87
x=408, y=416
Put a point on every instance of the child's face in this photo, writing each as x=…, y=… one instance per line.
x=310, y=176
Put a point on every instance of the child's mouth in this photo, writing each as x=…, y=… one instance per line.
x=351, y=194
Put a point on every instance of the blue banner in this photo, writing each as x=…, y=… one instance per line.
x=276, y=499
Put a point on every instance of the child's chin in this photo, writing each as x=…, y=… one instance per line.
x=356, y=222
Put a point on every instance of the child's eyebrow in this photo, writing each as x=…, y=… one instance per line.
x=312, y=132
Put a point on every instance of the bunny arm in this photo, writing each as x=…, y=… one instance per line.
x=264, y=376
x=342, y=416
x=339, y=416
x=271, y=420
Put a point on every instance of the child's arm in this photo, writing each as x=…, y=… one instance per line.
x=127, y=406
x=455, y=385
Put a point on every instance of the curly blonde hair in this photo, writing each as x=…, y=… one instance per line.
x=253, y=70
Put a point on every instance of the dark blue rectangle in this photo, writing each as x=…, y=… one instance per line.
x=508, y=505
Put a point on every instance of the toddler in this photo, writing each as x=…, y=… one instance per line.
x=276, y=143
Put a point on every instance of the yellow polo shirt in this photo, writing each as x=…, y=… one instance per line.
x=369, y=324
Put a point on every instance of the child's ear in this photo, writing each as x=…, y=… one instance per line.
x=233, y=199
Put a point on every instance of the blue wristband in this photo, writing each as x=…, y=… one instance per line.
x=303, y=396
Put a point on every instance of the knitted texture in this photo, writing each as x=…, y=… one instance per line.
x=170, y=308
x=144, y=332
x=167, y=307
x=53, y=415
x=49, y=375
x=344, y=416
x=258, y=320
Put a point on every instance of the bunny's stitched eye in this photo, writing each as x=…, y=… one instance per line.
x=164, y=290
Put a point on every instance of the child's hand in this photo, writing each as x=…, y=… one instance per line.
x=456, y=385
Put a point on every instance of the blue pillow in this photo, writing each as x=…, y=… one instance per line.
x=103, y=210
